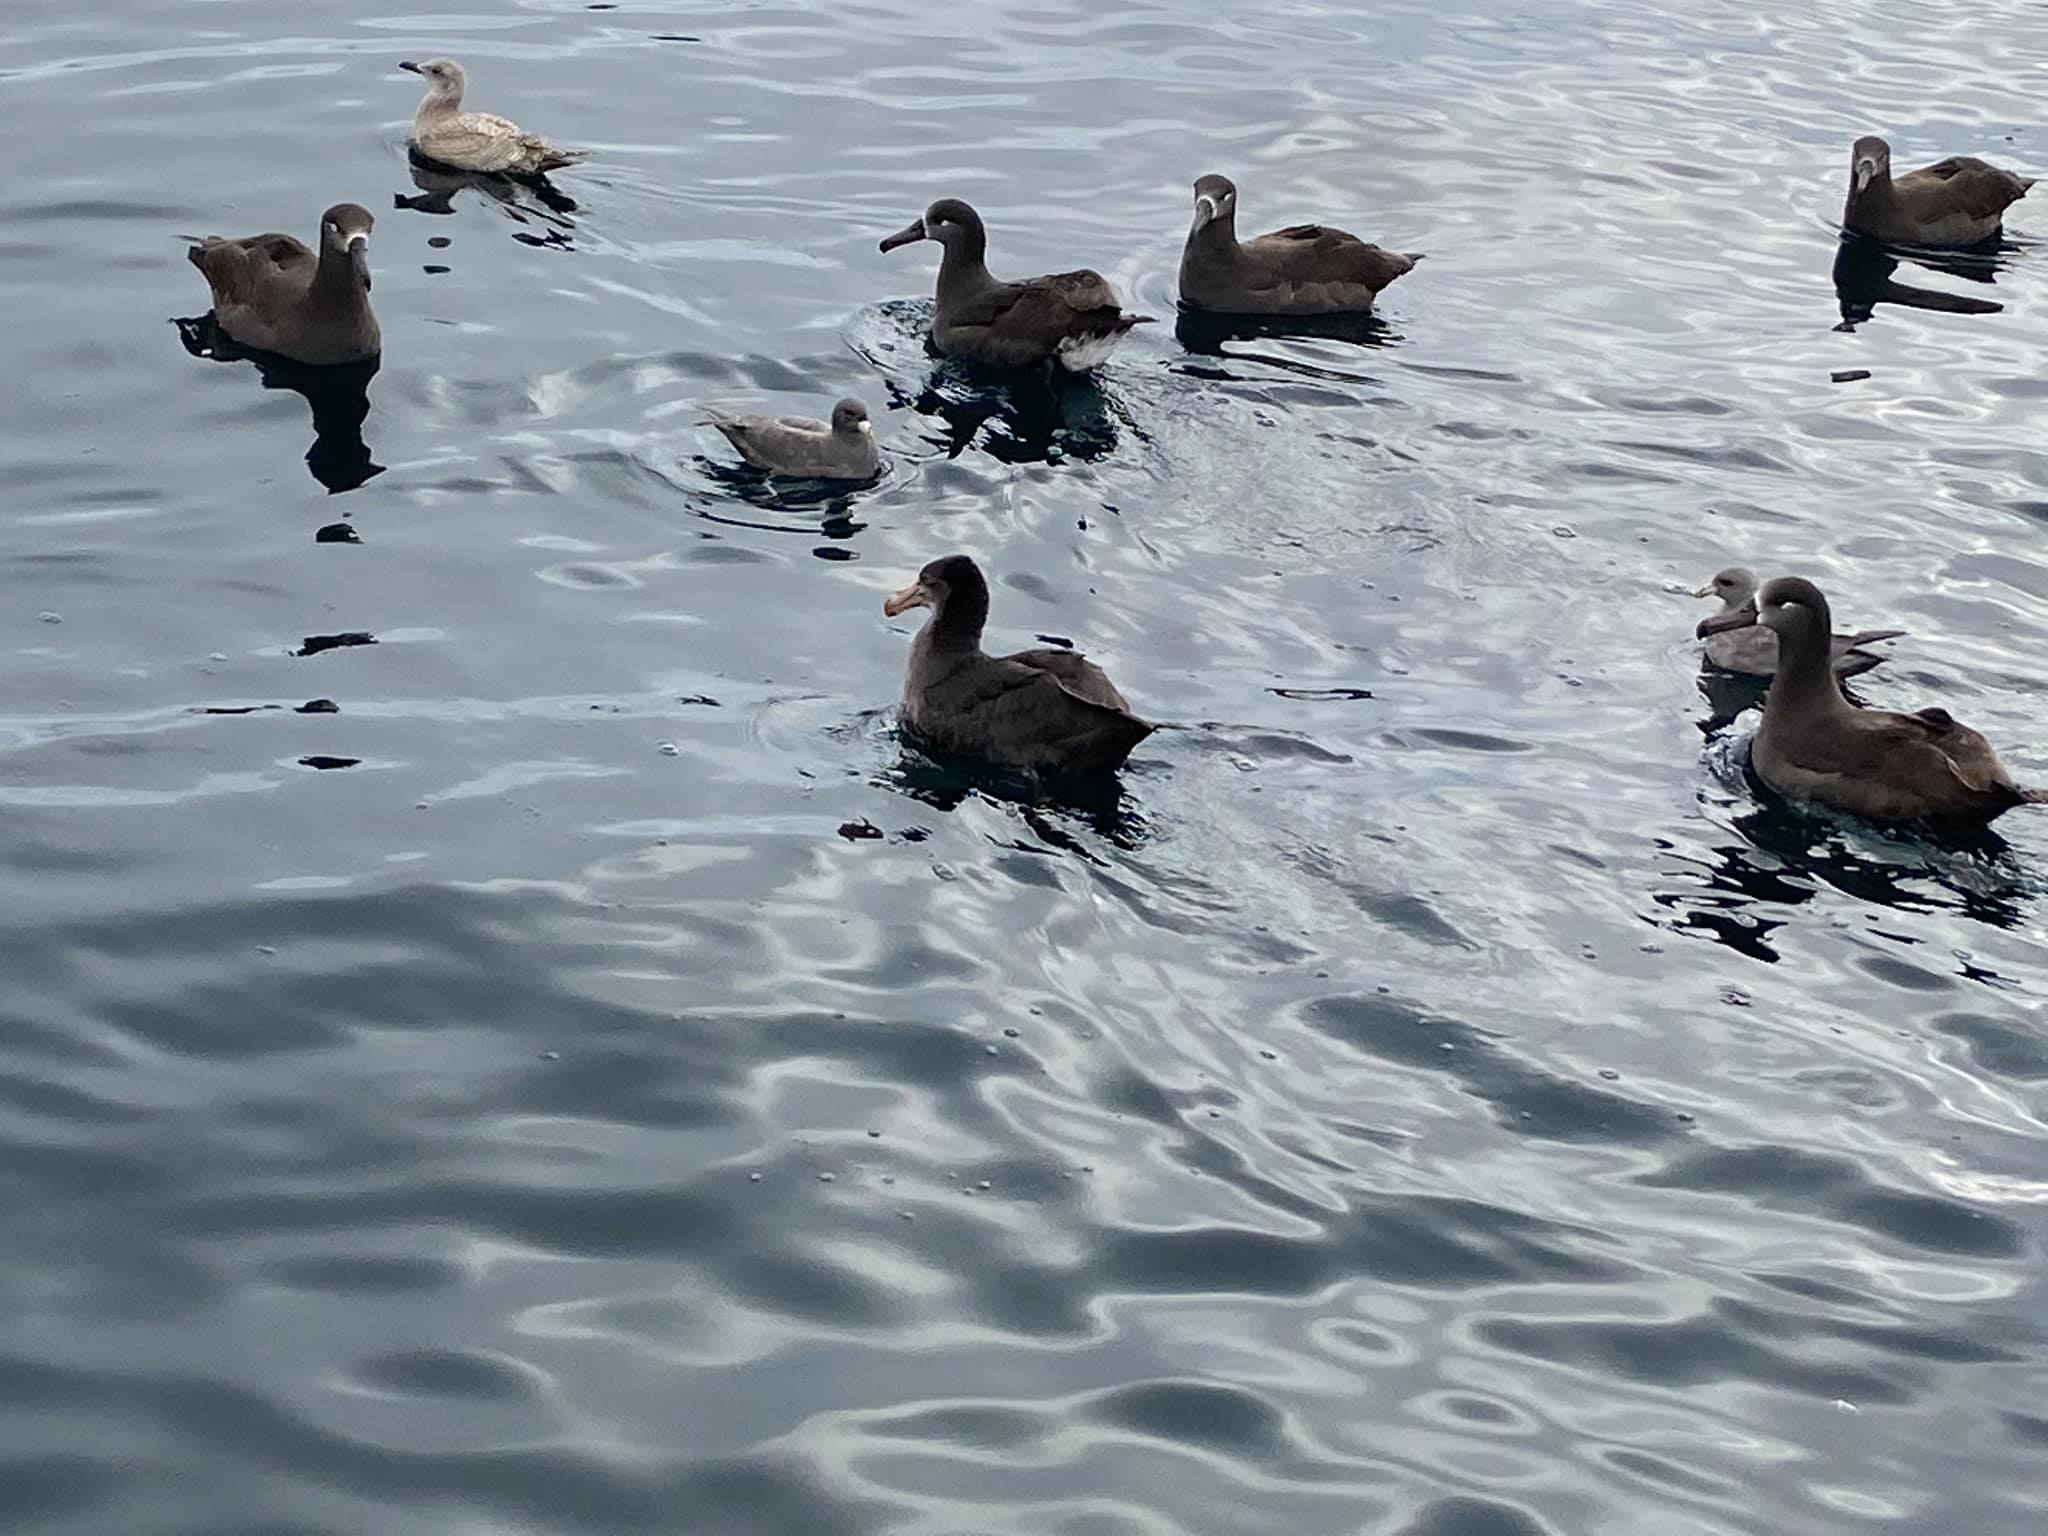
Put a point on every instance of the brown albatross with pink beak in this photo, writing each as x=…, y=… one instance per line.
x=1048, y=712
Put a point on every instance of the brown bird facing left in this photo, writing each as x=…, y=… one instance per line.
x=1955, y=202
x=1875, y=763
x=1048, y=712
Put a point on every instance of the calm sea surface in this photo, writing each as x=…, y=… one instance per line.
x=1439, y=1099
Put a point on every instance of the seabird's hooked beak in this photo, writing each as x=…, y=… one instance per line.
x=910, y=234
x=359, y=256
x=867, y=427
x=1207, y=210
x=407, y=64
x=1706, y=591
x=1734, y=618
x=912, y=596
x=1866, y=172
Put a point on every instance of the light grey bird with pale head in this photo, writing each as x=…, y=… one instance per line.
x=476, y=141
x=1752, y=648
x=840, y=449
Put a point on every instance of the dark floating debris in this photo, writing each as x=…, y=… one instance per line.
x=322, y=763
x=434, y=269
x=1849, y=375
x=1322, y=695
x=833, y=552
x=862, y=831
x=313, y=645
x=439, y=242
x=698, y=698
x=1059, y=640
x=233, y=709
x=337, y=533
x=318, y=707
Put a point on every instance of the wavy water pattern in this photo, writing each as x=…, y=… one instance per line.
x=500, y=1037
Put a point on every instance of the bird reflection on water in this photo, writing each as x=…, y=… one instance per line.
x=826, y=507
x=1203, y=332
x=339, y=396
x=1863, y=278
x=1020, y=416
x=1099, y=803
x=1788, y=853
x=438, y=184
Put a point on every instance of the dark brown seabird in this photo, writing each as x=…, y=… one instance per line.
x=1752, y=650
x=1071, y=319
x=271, y=294
x=1048, y=712
x=1875, y=763
x=1955, y=202
x=1305, y=269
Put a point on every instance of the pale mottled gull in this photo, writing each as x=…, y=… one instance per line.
x=476, y=141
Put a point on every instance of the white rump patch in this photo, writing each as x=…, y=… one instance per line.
x=1077, y=354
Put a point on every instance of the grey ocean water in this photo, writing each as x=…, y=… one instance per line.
x=1440, y=1099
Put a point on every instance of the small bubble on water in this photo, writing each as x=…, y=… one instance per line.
x=668, y=749
x=51, y=616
